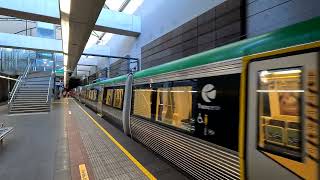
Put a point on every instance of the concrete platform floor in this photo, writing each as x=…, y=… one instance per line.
x=53, y=145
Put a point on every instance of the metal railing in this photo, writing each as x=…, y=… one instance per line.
x=49, y=85
x=17, y=84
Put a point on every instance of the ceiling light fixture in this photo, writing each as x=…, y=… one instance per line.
x=65, y=6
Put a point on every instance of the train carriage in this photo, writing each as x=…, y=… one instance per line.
x=246, y=110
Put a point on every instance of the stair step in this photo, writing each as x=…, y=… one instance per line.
x=37, y=79
x=27, y=103
x=33, y=89
x=34, y=99
x=29, y=107
x=35, y=83
x=32, y=95
x=29, y=111
x=32, y=92
x=35, y=86
x=30, y=103
x=31, y=98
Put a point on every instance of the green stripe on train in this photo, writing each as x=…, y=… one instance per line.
x=300, y=33
x=109, y=81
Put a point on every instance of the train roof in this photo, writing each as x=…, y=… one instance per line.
x=300, y=33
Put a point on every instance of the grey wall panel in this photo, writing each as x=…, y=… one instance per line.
x=267, y=15
x=119, y=68
x=218, y=26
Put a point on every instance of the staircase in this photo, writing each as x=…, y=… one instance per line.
x=33, y=94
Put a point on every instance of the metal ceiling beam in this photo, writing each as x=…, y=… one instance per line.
x=108, y=56
x=85, y=65
x=124, y=5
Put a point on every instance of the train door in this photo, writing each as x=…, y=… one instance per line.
x=282, y=126
x=100, y=100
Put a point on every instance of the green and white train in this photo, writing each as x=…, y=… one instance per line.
x=247, y=110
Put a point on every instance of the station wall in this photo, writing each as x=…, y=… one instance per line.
x=119, y=68
x=267, y=15
x=158, y=17
x=220, y=25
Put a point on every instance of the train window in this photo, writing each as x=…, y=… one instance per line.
x=92, y=95
x=142, y=102
x=118, y=98
x=174, y=106
x=109, y=97
x=279, y=116
x=100, y=96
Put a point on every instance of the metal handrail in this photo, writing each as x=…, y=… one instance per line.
x=17, y=84
x=49, y=87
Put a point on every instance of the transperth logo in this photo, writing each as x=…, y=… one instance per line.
x=208, y=93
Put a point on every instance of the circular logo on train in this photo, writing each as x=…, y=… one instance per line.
x=208, y=93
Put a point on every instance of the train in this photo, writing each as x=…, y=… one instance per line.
x=245, y=110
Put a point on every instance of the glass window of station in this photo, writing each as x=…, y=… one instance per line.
x=206, y=108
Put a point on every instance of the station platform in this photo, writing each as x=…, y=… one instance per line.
x=72, y=142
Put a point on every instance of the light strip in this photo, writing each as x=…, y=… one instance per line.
x=65, y=35
x=293, y=71
x=267, y=91
x=9, y=78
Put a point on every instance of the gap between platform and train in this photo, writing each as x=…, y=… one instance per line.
x=126, y=152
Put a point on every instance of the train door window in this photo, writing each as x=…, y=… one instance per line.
x=279, y=118
x=174, y=106
x=109, y=97
x=118, y=98
x=100, y=95
x=142, y=102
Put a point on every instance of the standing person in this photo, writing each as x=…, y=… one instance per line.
x=64, y=93
x=60, y=92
